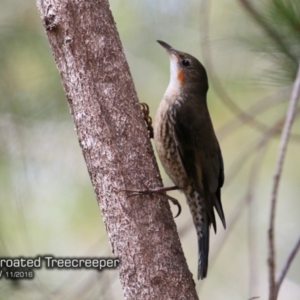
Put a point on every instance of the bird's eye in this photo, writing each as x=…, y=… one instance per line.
x=185, y=62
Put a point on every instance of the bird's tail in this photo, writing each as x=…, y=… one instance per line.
x=202, y=224
x=203, y=246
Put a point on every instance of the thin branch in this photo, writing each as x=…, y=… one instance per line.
x=281, y=155
x=238, y=207
x=233, y=171
x=287, y=264
x=259, y=107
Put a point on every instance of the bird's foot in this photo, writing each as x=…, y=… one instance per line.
x=160, y=191
x=147, y=118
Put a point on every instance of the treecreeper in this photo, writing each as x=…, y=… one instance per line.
x=188, y=148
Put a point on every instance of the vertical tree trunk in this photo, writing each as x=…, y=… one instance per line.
x=117, y=151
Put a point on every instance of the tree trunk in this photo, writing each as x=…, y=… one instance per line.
x=116, y=148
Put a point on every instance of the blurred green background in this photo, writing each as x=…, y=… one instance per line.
x=47, y=205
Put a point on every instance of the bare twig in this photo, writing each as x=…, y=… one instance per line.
x=258, y=146
x=233, y=171
x=260, y=106
x=287, y=264
x=281, y=155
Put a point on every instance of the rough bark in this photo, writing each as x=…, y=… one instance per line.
x=116, y=148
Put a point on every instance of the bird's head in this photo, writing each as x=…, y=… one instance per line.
x=186, y=70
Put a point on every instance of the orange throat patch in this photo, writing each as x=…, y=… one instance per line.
x=180, y=76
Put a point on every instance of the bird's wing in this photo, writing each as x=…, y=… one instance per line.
x=200, y=153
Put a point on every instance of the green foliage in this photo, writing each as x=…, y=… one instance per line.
x=280, y=21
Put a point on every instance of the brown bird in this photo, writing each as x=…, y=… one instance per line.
x=188, y=148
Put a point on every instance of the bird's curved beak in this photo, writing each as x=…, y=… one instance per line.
x=169, y=48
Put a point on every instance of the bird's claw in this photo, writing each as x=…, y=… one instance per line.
x=175, y=202
x=147, y=118
x=149, y=192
